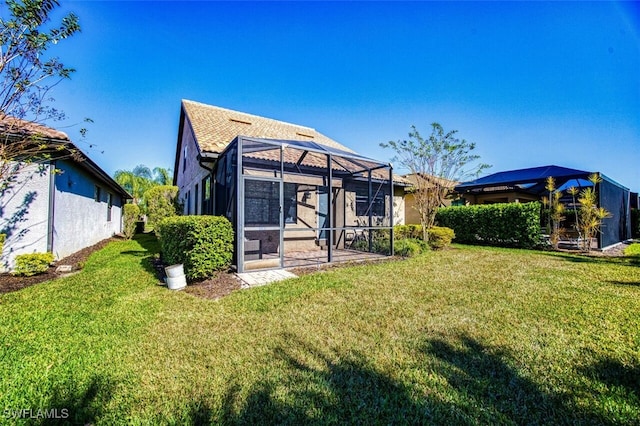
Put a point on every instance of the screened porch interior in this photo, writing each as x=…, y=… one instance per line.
x=299, y=203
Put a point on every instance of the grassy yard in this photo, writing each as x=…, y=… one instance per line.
x=465, y=336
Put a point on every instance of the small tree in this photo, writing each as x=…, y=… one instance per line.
x=556, y=210
x=162, y=202
x=590, y=216
x=436, y=164
x=130, y=217
x=26, y=78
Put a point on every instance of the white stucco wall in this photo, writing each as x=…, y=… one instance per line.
x=24, y=210
x=79, y=221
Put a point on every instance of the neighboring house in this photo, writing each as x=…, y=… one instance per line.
x=527, y=185
x=293, y=195
x=411, y=215
x=60, y=205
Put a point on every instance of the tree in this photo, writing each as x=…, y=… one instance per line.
x=26, y=78
x=590, y=216
x=435, y=164
x=556, y=211
x=139, y=180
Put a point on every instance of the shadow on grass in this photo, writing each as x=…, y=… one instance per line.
x=320, y=389
x=80, y=404
x=614, y=374
x=497, y=392
x=582, y=258
x=150, y=247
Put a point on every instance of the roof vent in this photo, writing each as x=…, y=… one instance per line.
x=235, y=120
x=304, y=135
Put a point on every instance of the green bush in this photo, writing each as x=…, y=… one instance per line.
x=409, y=247
x=511, y=224
x=32, y=264
x=2, y=238
x=401, y=232
x=440, y=237
x=131, y=214
x=162, y=202
x=635, y=223
x=633, y=250
x=204, y=244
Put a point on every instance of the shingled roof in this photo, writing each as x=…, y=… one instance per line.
x=216, y=127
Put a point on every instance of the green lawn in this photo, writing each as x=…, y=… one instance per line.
x=464, y=336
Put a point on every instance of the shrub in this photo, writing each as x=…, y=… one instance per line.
x=511, y=224
x=633, y=250
x=440, y=237
x=131, y=214
x=204, y=244
x=409, y=247
x=401, y=232
x=32, y=264
x=2, y=238
x=162, y=202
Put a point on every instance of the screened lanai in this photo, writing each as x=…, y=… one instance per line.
x=300, y=203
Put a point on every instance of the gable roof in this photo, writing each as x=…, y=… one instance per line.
x=215, y=128
x=16, y=128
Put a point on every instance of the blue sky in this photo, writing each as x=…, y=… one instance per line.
x=530, y=83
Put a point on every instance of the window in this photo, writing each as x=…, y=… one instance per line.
x=206, y=196
x=362, y=203
x=195, y=200
x=290, y=203
x=97, y=193
x=261, y=203
x=109, y=205
x=184, y=159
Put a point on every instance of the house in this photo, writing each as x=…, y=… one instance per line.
x=59, y=205
x=527, y=185
x=424, y=182
x=293, y=195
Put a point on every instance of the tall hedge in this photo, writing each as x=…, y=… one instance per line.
x=204, y=244
x=511, y=224
x=162, y=202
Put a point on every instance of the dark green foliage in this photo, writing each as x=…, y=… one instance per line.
x=32, y=264
x=511, y=224
x=410, y=247
x=162, y=202
x=204, y=244
x=440, y=237
x=131, y=214
x=635, y=223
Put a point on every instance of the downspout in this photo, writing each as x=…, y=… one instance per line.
x=52, y=205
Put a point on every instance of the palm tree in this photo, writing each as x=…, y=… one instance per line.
x=141, y=179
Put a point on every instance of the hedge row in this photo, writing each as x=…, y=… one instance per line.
x=203, y=244
x=511, y=224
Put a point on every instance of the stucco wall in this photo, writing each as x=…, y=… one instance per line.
x=24, y=210
x=79, y=220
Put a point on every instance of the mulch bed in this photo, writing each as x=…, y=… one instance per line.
x=9, y=283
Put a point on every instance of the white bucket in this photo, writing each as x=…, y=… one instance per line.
x=174, y=271
x=176, y=283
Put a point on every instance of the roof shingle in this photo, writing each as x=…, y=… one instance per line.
x=216, y=127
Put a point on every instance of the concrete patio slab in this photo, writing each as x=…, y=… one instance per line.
x=258, y=278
